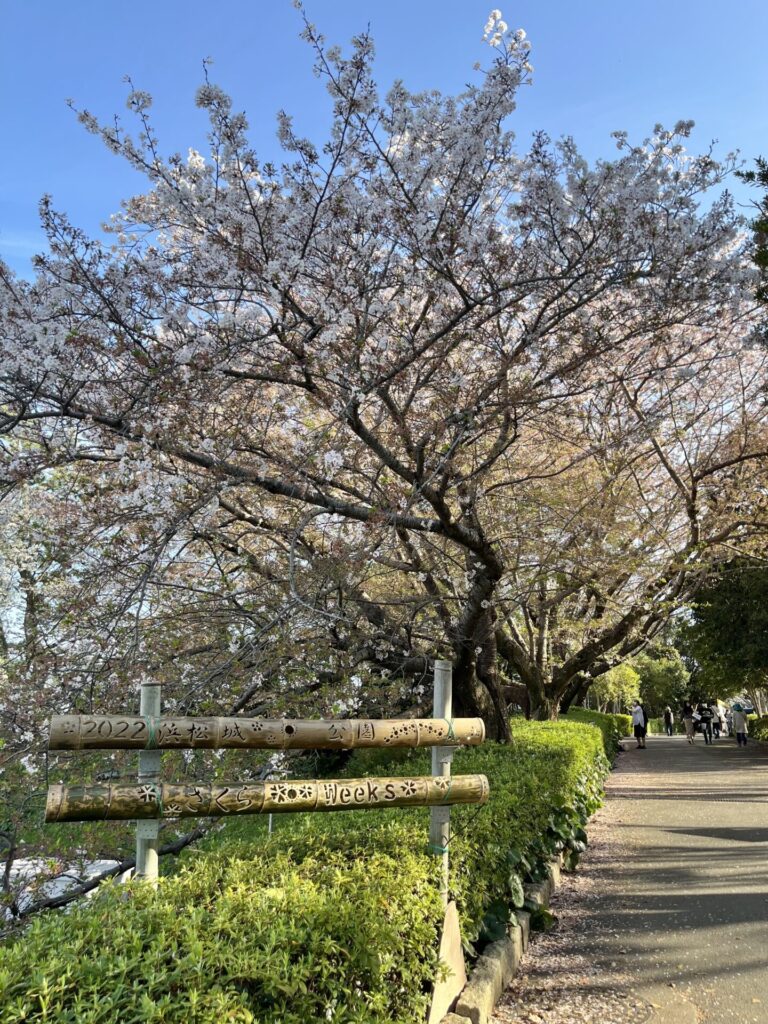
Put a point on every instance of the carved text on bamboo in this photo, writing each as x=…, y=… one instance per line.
x=136, y=732
x=168, y=800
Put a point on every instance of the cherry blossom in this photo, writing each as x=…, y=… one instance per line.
x=415, y=389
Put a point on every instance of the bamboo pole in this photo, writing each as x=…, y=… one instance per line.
x=116, y=802
x=150, y=732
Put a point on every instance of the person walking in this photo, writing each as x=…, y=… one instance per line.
x=705, y=717
x=669, y=720
x=687, y=716
x=713, y=707
x=640, y=723
x=740, y=726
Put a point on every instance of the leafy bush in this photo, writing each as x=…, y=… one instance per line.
x=262, y=935
x=332, y=918
x=759, y=728
x=613, y=727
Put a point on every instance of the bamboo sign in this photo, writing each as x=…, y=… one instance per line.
x=121, y=802
x=150, y=800
x=144, y=732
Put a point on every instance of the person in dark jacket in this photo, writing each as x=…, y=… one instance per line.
x=705, y=717
x=669, y=720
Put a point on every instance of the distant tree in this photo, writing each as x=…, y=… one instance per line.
x=663, y=679
x=726, y=638
x=759, y=178
x=616, y=689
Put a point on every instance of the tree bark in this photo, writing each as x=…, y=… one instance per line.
x=576, y=692
x=547, y=710
x=484, y=696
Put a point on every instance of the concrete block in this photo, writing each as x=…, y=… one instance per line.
x=571, y=860
x=500, y=961
x=516, y=938
x=538, y=892
x=451, y=954
x=482, y=992
x=507, y=952
x=554, y=872
x=524, y=921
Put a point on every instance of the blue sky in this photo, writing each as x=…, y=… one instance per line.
x=600, y=65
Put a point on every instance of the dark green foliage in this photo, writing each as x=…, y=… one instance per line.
x=759, y=178
x=496, y=922
x=727, y=637
x=334, y=917
x=758, y=728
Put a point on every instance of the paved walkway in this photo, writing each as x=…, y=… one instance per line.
x=668, y=920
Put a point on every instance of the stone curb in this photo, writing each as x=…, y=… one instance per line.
x=500, y=961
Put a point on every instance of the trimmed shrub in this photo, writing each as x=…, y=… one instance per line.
x=332, y=918
x=613, y=727
x=758, y=728
x=259, y=935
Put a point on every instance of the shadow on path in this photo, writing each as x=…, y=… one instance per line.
x=667, y=920
x=689, y=896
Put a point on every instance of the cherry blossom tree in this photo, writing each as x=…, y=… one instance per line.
x=369, y=384
x=653, y=477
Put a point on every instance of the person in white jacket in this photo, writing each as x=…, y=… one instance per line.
x=740, y=726
x=640, y=723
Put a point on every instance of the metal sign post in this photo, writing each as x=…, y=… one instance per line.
x=440, y=817
x=147, y=832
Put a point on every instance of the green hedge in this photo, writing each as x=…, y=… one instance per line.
x=613, y=727
x=758, y=728
x=332, y=918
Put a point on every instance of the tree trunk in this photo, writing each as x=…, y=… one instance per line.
x=546, y=711
x=517, y=693
x=576, y=692
x=755, y=697
x=477, y=697
x=545, y=707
